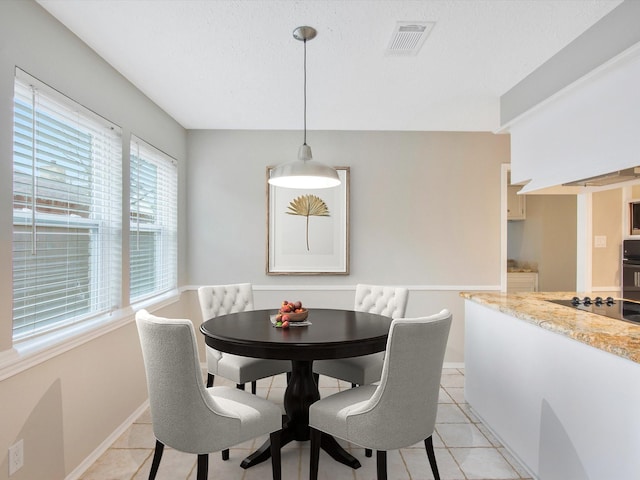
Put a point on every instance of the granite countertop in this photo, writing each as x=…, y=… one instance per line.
x=611, y=335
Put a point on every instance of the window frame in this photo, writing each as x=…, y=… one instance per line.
x=104, y=263
x=165, y=255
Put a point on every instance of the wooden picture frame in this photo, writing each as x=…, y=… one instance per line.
x=308, y=229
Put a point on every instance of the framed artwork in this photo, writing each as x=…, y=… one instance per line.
x=308, y=229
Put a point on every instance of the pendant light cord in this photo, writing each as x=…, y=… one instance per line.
x=305, y=91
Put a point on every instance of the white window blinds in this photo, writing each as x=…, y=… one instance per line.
x=154, y=221
x=66, y=210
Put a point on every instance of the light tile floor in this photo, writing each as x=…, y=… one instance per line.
x=465, y=449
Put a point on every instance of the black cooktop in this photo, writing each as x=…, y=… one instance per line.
x=625, y=310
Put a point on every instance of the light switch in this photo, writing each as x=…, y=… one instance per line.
x=600, y=241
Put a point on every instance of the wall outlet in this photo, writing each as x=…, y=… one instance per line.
x=600, y=241
x=16, y=457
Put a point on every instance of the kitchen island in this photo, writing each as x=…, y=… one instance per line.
x=558, y=386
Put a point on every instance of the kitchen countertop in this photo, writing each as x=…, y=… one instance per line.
x=608, y=334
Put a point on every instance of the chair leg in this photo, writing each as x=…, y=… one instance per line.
x=209, y=380
x=314, y=453
x=381, y=462
x=254, y=384
x=225, y=454
x=368, y=452
x=276, y=466
x=240, y=386
x=203, y=466
x=157, y=456
x=428, y=444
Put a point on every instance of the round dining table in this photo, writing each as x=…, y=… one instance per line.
x=326, y=334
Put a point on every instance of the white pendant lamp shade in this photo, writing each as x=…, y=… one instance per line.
x=304, y=172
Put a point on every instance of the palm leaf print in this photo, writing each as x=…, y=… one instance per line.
x=307, y=206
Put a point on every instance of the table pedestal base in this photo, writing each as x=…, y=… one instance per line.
x=301, y=392
x=327, y=443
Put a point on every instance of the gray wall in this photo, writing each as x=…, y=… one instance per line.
x=425, y=206
x=425, y=213
x=65, y=401
x=548, y=238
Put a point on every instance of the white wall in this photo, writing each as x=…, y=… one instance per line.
x=585, y=131
x=574, y=117
x=425, y=213
x=65, y=404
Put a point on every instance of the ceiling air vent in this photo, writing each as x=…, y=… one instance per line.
x=408, y=37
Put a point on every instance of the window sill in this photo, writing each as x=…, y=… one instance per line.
x=31, y=352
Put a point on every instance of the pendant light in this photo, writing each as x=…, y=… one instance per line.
x=304, y=172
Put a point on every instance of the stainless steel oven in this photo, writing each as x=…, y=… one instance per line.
x=631, y=269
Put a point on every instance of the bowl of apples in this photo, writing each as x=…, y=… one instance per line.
x=294, y=311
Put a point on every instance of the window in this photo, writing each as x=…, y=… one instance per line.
x=153, y=215
x=66, y=211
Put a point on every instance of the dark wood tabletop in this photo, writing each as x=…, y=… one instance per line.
x=332, y=334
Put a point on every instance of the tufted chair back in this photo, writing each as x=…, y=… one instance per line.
x=222, y=299
x=387, y=301
x=216, y=300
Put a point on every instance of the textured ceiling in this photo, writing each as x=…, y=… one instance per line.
x=234, y=64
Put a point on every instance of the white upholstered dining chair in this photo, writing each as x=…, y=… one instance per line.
x=216, y=300
x=401, y=410
x=185, y=415
x=366, y=369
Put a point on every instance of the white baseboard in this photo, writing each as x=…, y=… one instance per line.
x=81, y=469
x=504, y=445
x=453, y=365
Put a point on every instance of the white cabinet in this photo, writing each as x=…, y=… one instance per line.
x=522, y=281
x=516, y=204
